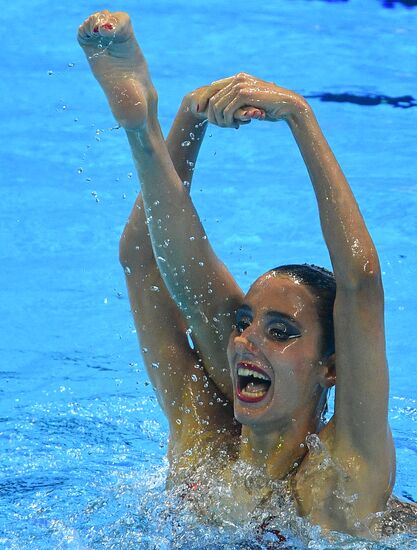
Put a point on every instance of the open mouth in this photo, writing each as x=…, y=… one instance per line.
x=252, y=383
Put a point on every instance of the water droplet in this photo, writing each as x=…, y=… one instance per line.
x=155, y=365
x=80, y=170
x=194, y=378
x=71, y=65
x=190, y=163
x=155, y=288
x=192, y=238
x=178, y=421
x=129, y=175
x=185, y=143
x=192, y=136
x=201, y=263
x=156, y=204
x=50, y=73
x=145, y=350
x=186, y=184
x=127, y=270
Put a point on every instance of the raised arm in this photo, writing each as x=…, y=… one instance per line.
x=199, y=283
x=361, y=403
x=362, y=376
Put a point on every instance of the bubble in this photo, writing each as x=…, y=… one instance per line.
x=80, y=170
x=178, y=421
x=127, y=270
x=145, y=350
x=192, y=238
x=194, y=378
x=185, y=143
x=155, y=366
x=154, y=288
x=50, y=73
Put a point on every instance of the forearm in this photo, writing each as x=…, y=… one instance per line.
x=351, y=249
x=184, y=141
x=178, y=238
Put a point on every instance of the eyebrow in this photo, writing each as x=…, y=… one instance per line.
x=281, y=316
x=244, y=308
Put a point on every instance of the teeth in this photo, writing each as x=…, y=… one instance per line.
x=249, y=372
x=255, y=394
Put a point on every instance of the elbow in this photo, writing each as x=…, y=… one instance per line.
x=363, y=274
x=124, y=249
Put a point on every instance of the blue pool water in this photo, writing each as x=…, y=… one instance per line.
x=82, y=440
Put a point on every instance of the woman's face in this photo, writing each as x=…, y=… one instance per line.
x=274, y=354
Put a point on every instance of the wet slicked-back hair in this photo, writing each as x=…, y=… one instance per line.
x=322, y=285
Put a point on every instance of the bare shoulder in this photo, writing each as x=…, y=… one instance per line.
x=339, y=491
x=203, y=431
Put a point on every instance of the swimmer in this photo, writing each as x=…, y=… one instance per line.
x=252, y=389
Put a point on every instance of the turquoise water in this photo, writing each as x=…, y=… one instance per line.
x=82, y=440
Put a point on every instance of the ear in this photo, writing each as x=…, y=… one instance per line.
x=328, y=371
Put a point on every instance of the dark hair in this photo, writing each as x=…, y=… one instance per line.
x=322, y=284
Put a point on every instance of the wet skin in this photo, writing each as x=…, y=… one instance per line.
x=192, y=385
x=277, y=329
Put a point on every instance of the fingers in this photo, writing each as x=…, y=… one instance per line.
x=246, y=113
x=208, y=91
x=228, y=103
x=233, y=104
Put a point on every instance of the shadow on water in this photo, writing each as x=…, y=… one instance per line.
x=385, y=3
x=368, y=100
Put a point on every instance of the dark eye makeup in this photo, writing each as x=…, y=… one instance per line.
x=279, y=326
x=282, y=331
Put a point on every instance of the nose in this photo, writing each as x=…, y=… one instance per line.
x=243, y=344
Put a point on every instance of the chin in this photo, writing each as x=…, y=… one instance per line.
x=251, y=416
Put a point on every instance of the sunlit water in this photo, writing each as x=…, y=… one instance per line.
x=82, y=439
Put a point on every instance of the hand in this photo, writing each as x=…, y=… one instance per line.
x=201, y=102
x=238, y=99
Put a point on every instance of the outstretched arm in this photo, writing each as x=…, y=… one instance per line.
x=361, y=409
x=158, y=321
x=201, y=286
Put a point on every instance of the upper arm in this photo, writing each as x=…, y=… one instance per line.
x=211, y=319
x=361, y=403
x=161, y=332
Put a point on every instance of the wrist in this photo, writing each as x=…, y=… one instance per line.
x=299, y=111
x=190, y=107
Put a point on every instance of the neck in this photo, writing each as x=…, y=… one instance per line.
x=277, y=451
